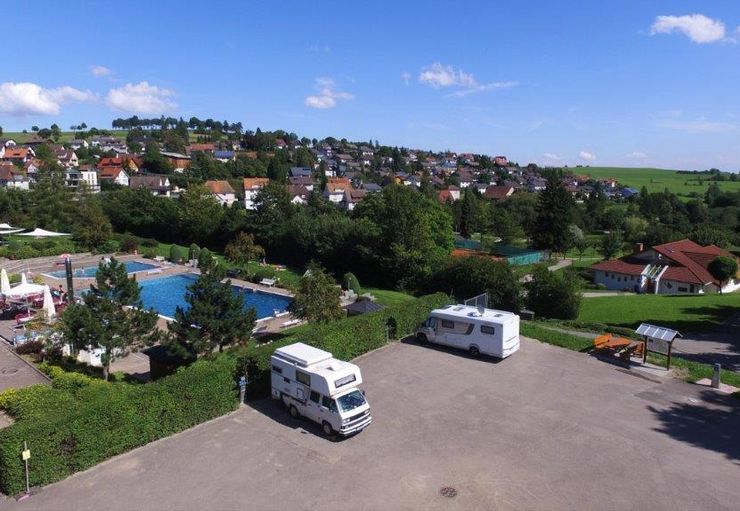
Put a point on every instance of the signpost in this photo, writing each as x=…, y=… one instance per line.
x=657, y=339
x=26, y=455
x=242, y=389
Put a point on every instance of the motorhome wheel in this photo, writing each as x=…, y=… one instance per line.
x=474, y=351
x=294, y=412
x=422, y=338
x=327, y=428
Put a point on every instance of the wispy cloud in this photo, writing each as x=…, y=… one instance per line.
x=141, y=98
x=406, y=77
x=637, y=155
x=318, y=48
x=100, y=71
x=587, y=155
x=552, y=157
x=700, y=125
x=697, y=27
x=25, y=98
x=327, y=96
x=439, y=76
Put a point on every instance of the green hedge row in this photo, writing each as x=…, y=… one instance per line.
x=345, y=339
x=80, y=421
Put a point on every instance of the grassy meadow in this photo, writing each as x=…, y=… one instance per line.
x=656, y=180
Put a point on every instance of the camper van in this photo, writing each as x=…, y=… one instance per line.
x=476, y=329
x=313, y=384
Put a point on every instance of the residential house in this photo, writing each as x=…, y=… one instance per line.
x=303, y=181
x=252, y=185
x=300, y=172
x=500, y=161
x=12, y=177
x=115, y=175
x=224, y=156
x=7, y=142
x=158, y=185
x=298, y=194
x=66, y=157
x=18, y=154
x=371, y=187
x=352, y=197
x=180, y=162
x=89, y=177
x=202, y=148
x=444, y=196
x=222, y=191
x=678, y=267
x=497, y=193
x=335, y=188
x=78, y=143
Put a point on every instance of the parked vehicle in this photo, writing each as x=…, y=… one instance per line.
x=476, y=329
x=315, y=385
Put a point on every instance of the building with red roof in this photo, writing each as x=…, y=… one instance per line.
x=678, y=267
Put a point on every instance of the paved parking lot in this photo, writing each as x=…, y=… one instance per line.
x=545, y=429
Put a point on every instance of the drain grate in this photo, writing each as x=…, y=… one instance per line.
x=448, y=491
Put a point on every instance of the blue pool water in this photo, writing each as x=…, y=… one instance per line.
x=166, y=294
x=89, y=272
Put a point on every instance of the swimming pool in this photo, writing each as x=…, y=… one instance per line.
x=89, y=272
x=166, y=294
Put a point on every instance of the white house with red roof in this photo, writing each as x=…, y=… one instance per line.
x=679, y=267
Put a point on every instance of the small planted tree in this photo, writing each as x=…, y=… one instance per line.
x=193, y=252
x=111, y=318
x=351, y=282
x=317, y=298
x=611, y=245
x=723, y=268
x=215, y=317
x=242, y=249
x=553, y=294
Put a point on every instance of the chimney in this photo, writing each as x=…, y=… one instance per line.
x=638, y=248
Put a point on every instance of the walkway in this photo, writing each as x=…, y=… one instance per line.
x=15, y=372
x=561, y=263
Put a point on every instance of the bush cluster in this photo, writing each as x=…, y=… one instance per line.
x=17, y=249
x=79, y=421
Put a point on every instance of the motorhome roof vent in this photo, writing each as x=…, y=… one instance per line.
x=459, y=308
x=497, y=315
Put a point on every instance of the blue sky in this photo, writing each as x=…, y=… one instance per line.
x=638, y=83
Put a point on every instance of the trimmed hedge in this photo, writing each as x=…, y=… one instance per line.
x=345, y=339
x=80, y=421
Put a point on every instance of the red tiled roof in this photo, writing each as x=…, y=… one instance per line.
x=498, y=192
x=219, y=187
x=445, y=196
x=693, y=257
x=110, y=172
x=619, y=266
x=251, y=183
x=681, y=274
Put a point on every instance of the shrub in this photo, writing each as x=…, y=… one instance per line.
x=194, y=252
x=129, y=243
x=350, y=282
x=174, y=254
x=110, y=246
x=79, y=421
x=149, y=253
x=554, y=294
x=149, y=243
x=30, y=347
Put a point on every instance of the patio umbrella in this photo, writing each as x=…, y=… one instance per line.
x=48, y=306
x=4, y=282
x=24, y=289
x=24, y=280
x=43, y=233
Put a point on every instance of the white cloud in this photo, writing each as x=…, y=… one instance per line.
x=551, y=156
x=697, y=27
x=638, y=155
x=327, y=96
x=438, y=76
x=700, y=125
x=100, y=71
x=141, y=98
x=586, y=155
x=406, y=77
x=24, y=98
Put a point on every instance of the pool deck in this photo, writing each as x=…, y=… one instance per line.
x=136, y=364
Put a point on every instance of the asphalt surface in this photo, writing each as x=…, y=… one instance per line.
x=15, y=372
x=544, y=429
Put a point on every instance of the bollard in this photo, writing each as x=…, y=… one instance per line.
x=242, y=389
x=715, y=376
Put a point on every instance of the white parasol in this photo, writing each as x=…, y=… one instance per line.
x=43, y=233
x=48, y=306
x=4, y=282
x=24, y=290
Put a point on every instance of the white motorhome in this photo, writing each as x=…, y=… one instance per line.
x=478, y=330
x=315, y=385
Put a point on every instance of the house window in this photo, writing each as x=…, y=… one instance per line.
x=682, y=289
x=485, y=329
x=669, y=285
x=303, y=378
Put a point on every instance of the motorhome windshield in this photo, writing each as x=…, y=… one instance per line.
x=351, y=401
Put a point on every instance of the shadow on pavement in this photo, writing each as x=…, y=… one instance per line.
x=713, y=423
x=278, y=412
x=446, y=349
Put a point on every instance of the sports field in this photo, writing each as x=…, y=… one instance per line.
x=656, y=180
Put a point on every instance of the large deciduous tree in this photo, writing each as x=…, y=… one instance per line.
x=317, y=298
x=553, y=294
x=111, y=317
x=723, y=268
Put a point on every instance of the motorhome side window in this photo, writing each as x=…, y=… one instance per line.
x=328, y=403
x=487, y=330
x=448, y=324
x=277, y=369
x=314, y=396
x=303, y=378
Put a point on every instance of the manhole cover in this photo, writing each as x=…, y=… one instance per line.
x=448, y=491
x=11, y=370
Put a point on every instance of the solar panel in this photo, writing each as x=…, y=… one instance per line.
x=657, y=332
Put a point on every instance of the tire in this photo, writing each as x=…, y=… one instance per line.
x=474, y=351
x=294, y=412
x=328, y=430
x=422, y=338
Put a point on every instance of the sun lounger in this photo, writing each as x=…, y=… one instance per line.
x=292, y=322
x=268, y=282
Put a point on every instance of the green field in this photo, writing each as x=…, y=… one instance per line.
x=656, y=180
x=387, y=297
x=701, y=313
x=21, y=137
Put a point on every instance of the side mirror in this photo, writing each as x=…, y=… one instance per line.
x=363, y=392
